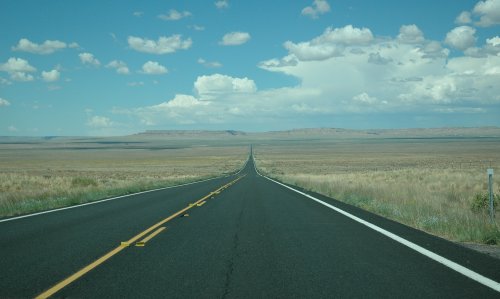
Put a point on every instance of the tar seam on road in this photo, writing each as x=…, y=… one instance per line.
x=56, y=288
x=117, y=197
x=436, y=257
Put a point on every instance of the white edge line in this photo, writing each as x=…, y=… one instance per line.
x=436, y=257
x=117, y=197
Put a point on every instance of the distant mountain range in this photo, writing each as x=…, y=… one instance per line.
x=331, y=132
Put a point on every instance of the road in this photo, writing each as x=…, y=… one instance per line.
x=253, y=239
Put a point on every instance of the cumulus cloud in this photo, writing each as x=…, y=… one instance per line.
x=99, y=122
x=461, y=37
x=51, y=76
x=164, y=45
x=181, y=101
x=220, y=84
x=138, y=14
x=221, y=4
x=153, y=68
x=491, y=47
x=235, y=38
x=18, y=69
x=4, y=103
x=174, y=15
x=47, y=47
x=88, y=58
x=182, y=109
x=463, y=18
x=14, y=64
x=410, y=34
x=376, y=58
x=405, y=75
x=329, y=44
x=289, y=60
x=318, y=7
x=406, y=72
x=12, y=128
x=488, y=12
x=210, y=64
x=120, y=67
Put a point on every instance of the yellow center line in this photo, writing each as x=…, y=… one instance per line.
x=56, y=288
x=145, y=240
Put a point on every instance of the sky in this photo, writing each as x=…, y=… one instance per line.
x=118, y=67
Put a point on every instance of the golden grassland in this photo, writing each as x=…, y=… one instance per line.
x=430, y=184
x=39, y=176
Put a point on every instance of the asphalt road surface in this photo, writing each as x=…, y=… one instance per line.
x=253, y=239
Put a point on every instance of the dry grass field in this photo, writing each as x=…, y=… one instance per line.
x=431, y=184
x=38, y=175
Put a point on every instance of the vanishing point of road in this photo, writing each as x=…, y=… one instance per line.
x=240, y=236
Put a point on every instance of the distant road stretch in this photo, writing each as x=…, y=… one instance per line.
x=241, y=236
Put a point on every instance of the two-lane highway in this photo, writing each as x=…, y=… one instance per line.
x=253, y=239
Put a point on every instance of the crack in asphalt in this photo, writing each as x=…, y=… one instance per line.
x=234, y=249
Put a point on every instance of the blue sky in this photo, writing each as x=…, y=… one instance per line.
x=121, y=67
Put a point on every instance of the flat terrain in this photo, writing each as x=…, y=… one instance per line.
x=43, y=173
x=431, y=183
x=253, y=239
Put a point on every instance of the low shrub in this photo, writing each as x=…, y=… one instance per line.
x=481, y=202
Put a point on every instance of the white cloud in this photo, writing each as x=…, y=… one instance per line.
x=403, y=74
x=51, y=76
x=221, y=4
x=138, y=14
x=11, y=128
x=4, y=103
x=235, y=38
x=88, y=58
x=17, y=65
x=347, y=35
x=174, y=15
x=410, y=34
x=210, y=64
x=182, y=101
x=153, y=68
x=220, y=84
x=22, y=77
x=365, y=99
x=371, y=75
x=99, y=122
x=48, y=47
x=494, y=41
x=120, y=66
x=318, y=7
x=18, y=69
x=463, y=18
x=330, y=44
x=376, y=58
x=461, y=37
x=164, y=45
x=488, y=12
x=182, y=109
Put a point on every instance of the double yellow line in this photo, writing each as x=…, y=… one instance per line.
x=156, y=228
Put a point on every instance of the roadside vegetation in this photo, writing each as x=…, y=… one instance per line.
x=41, y=176
x=436, y=185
